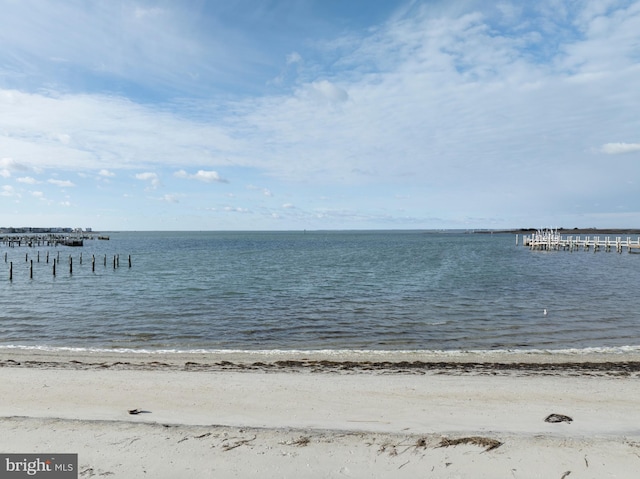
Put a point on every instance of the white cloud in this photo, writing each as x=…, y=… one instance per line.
x=37, y=194
x=208, y=176
x=235, y=209
x=288, y=206
x=147, y=176
x=618, y=148
x=122, y=134
x=201, y=175
x=27, y=180
x=61, y=183
x=150, y=177
x=106, y=173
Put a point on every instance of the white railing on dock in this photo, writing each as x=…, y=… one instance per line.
x=552, y=240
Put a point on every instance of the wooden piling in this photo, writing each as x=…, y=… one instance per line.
x=129, y=261
x=11, y=271
x=93, y=262
x=70, y=265
x=31, y=270
x=54, y=267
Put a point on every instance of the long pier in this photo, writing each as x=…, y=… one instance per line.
x=550, y=240
x=50, y=239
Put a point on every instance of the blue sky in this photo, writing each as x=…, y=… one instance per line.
x=319, y=114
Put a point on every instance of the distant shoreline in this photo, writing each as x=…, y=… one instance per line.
x=565, y=231
x=570, y=231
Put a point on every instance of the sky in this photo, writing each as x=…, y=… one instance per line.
x=319, y=114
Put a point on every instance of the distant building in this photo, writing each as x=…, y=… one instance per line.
x=38, y=230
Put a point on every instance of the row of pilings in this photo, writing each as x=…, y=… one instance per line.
x=58, y=266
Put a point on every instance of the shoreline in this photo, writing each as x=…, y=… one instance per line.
x=403, y=362
x=253, y=415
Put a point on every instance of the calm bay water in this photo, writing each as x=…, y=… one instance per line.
x=319, y=290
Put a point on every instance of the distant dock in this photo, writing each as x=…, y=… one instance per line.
x=551, y=240
x=49, y=239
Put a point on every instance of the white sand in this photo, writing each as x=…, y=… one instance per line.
x=302, y=424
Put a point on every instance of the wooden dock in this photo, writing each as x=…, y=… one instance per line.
x=551, y=240
x=50, y=239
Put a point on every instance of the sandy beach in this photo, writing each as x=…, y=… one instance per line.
x=325, y=415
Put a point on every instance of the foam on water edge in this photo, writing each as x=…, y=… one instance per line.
x=618, y=350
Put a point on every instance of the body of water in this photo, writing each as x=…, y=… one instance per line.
x=381, y=290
